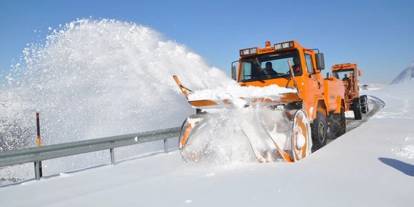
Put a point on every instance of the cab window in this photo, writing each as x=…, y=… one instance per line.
x=309, y=64
x=247, y=70
x=270, y=66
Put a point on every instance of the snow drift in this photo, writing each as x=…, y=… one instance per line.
x=406, y=75
x=368, y=166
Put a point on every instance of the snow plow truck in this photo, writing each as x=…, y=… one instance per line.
x=307, y=116
x=349, y=74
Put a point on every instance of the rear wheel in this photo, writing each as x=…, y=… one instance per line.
x=342, y=121
x=356, y=107
x=319, y=131
x=364, y=104
x=338, y=127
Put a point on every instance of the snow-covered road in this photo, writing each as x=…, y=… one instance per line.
x=368, y=166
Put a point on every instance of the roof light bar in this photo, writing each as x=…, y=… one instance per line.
x=248, y=51
x=283, y=45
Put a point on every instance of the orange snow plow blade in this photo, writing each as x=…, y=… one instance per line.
x=191, y=127
x=208, y=103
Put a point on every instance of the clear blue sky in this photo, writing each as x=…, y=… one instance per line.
x=378, y=35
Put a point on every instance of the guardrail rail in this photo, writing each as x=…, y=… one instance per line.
x=39, y=154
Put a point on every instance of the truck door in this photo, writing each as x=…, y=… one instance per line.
x=314, y=80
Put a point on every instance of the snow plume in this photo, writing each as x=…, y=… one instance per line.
x=94, y=78
x=406, y=75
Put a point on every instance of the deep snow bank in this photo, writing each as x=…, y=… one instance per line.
x=400, y=109
x=406, y=75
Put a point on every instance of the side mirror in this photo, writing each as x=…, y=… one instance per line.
x=320, y=61
x=234, y=70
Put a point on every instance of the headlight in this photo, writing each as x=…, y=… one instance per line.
x=278, y=46
x=248, y=51
x=283, y=45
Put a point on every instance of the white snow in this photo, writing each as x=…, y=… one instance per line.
x=407, y=152
x=235, y=91
x=98, y=78
x=406, y=75
x=95, y=78
x=361, y=168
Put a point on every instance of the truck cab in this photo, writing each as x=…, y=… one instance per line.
x=349, y=73
x=289, y=64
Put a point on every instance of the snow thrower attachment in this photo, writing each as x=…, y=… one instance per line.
x=276, y=125
x=269, y=131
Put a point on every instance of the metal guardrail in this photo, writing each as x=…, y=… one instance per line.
x=38, y=154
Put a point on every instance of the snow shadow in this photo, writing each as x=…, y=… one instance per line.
x=403, y=167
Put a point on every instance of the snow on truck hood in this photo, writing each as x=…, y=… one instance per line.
x=234, y=91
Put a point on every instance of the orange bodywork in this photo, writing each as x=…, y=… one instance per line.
x=351, y=83
x=314, y=91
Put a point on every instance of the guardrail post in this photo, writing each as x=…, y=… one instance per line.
x=38, y=140
x=38, y=169
x=165, y=146
x=112, y=153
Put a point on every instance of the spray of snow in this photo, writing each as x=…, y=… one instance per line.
x=95, y=78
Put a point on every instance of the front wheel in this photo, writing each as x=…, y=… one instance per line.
x=301, y=141
x=338, y=124
x=319, y=131
x=356, y=107
x=364, y=104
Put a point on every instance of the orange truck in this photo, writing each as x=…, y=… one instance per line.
x=349, y=74
x=316, y=110
x=321, y=98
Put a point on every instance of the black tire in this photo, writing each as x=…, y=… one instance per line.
x=364, y=104
x=356, y=107
x=342, y=123
x=319, y=129
x=181, y=131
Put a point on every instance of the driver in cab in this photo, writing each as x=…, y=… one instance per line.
x=268, y=70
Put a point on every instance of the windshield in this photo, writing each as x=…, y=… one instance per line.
x=270, y=66
x=344, y=74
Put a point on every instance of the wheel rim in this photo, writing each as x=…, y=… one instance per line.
x=301, y=136
x=321, y=132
